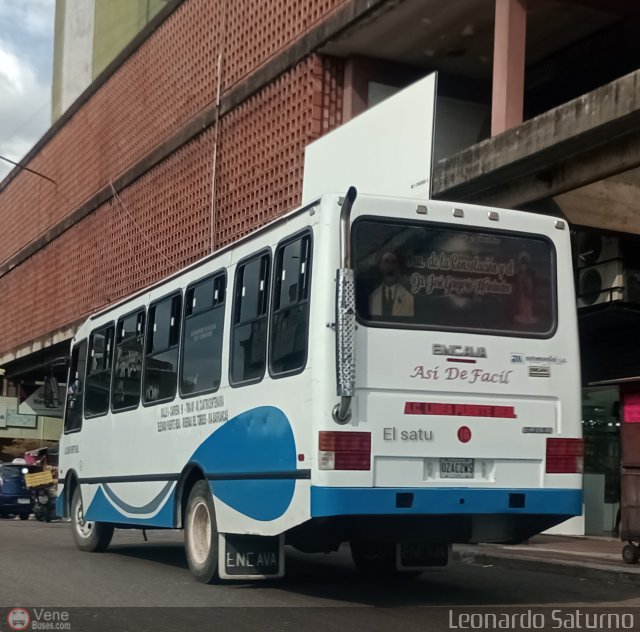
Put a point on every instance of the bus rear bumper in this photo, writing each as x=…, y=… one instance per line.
x=402, y=501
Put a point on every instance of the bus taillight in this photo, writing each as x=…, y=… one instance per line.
x=565, y=456
x=344, y=450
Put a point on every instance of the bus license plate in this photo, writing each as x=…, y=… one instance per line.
x=23, y=501
x=456, y=468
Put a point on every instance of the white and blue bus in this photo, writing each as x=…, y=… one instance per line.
x=397, y=374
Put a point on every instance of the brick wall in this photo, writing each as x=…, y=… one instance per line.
x=165, y=83
x=261, y=145
x=257, y=30
x=163, y=220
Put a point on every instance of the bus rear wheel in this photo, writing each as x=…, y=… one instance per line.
x=373, y=558
x=93, y=537
x=377, y=559
x=631, y=553
x=201, y=533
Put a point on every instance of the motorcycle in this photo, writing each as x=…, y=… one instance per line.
x=44, y=503
x=42, y=488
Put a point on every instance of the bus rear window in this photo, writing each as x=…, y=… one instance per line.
x=439, y=277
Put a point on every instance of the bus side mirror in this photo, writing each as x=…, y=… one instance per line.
x=51, y=397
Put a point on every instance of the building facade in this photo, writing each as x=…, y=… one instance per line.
x=88, y=36
x=194, y=134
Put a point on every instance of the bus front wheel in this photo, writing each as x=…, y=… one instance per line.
x=93, y=537
x=201, y=533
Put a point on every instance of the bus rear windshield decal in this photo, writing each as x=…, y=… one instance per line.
x=454, y=279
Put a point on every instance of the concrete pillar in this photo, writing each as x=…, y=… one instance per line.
x=508, y=65
x=357, y=73
x=73, y=53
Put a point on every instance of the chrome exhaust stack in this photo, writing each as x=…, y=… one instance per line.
x=345, y=316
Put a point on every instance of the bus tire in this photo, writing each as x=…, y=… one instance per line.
x=373, y=558
x=630, y=553
x=93, y=537
x=201, y=533
x=24, y=516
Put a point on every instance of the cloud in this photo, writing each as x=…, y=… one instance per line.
x=26, y=52
x=25, y=107
x=27, y=28
x=33, y=14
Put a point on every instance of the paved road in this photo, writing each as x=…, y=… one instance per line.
x=40, y=567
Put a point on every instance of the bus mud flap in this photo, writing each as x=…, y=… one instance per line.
x=250, y=556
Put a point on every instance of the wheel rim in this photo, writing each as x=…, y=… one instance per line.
x=200, y=532
x=83, y=527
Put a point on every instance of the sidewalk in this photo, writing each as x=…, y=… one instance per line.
x=590, y=557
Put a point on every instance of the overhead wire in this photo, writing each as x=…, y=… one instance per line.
x=37, y=173
x=139, y=229
x=128, y=240
x=130, y=33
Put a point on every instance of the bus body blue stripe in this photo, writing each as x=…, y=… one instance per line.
x=258, y=440
x=262, y=500
x=101, y=510
x=60, y=504
x=150, y=507
x=345, y=501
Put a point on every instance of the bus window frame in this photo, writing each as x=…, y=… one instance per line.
x=381, y=219
x=233, y=326
x=143, y=309
x=218, y=273
x=66, y=401
x=174, y=293
x=283, y=243
x=102, y=327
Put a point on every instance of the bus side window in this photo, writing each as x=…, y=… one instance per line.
x=249, y=333
x=127, y=370
x=98, y=383
x=201, y=364
x=73, y=410
x=290, y=309
x=161, y=360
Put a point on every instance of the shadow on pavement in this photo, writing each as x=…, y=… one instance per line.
x=164, y=553
x=458, y=584
x=334, y=578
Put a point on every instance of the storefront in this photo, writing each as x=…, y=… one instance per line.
x=608, y=277
x=601, y=426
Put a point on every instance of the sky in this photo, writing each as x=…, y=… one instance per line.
x=26, y=62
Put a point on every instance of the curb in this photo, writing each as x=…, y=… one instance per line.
x=576, y=568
